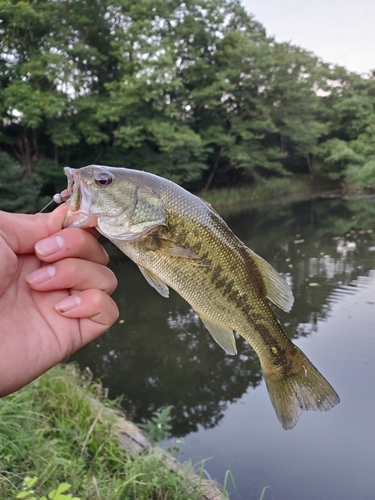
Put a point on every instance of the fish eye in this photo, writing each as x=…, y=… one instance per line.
x=103, y=179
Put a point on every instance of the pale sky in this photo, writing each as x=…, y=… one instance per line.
x=339, y=31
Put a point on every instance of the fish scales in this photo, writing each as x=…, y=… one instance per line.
x=231, y=272
x=217, y=288
x=179, y=241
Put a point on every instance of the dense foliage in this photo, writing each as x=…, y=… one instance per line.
x=194, y=91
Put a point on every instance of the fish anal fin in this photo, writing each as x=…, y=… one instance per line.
x=155, y=282
x=301, y=389
x=168, y=247
x=221, y=334
x=277, y=289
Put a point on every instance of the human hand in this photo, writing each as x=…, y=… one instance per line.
x=54, y=294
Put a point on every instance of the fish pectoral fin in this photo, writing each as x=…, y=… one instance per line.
x=278, y=290
x=221, y=334
x=155, y=282
x=168, y=247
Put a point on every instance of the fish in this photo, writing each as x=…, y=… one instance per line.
x=179, y=241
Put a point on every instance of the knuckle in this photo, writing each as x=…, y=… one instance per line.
x=113, y=313
x=77, y=238
x=105, y=308
x=97, y=299
x=70, y=270
x=116, y=313
x=112, y=281
x=86, y=245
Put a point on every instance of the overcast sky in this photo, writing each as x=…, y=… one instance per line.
x=338, y=31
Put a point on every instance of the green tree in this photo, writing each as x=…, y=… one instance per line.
x=194, y=91
x=346, y=152
x=16, y=194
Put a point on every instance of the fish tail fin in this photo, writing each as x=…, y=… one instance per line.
x=299, y=388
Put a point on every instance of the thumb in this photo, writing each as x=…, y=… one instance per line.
x=22, y=231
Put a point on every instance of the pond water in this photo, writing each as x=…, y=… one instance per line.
x=159, y=354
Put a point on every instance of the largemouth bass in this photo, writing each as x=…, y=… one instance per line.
x=178, y=241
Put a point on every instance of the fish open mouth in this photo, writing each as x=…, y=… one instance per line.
x=72, y=193
x=78, y=199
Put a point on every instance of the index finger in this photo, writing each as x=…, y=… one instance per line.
x=71, y=242
x=22, y=231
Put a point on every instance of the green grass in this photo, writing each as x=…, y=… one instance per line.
x=258, y=192
x=265, y=190
x=51, y=430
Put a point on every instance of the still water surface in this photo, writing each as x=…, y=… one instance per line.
x=160, y=354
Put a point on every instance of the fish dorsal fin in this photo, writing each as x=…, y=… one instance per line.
x=277, y=289
x=155, y=282
x=221, y=334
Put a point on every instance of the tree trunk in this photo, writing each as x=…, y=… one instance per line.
x=23, y=151
x=56, y=155
x=310, y=158
x=216, y=164
x=283, y=144
x=98, y=155
x=35, y=145
x=212, y=174
x=214, y=169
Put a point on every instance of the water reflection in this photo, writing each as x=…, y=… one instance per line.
x=160, y=354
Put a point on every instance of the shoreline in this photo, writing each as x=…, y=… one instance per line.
x=62, y=431
x=272, y=189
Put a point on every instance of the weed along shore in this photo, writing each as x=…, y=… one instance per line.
x=60, y=437
x=270, y=189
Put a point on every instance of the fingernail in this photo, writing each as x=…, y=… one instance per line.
x=50, y=245
x=68, y=304
x=41, y=275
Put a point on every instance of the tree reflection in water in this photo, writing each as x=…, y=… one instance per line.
x=160, y=354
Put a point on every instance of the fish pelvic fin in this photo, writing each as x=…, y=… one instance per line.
x=221, y=334
x=277, y=289
x=303, y=388
x=155, y=282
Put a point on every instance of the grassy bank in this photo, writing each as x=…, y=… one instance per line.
x=52, y=433
x=265, y=190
